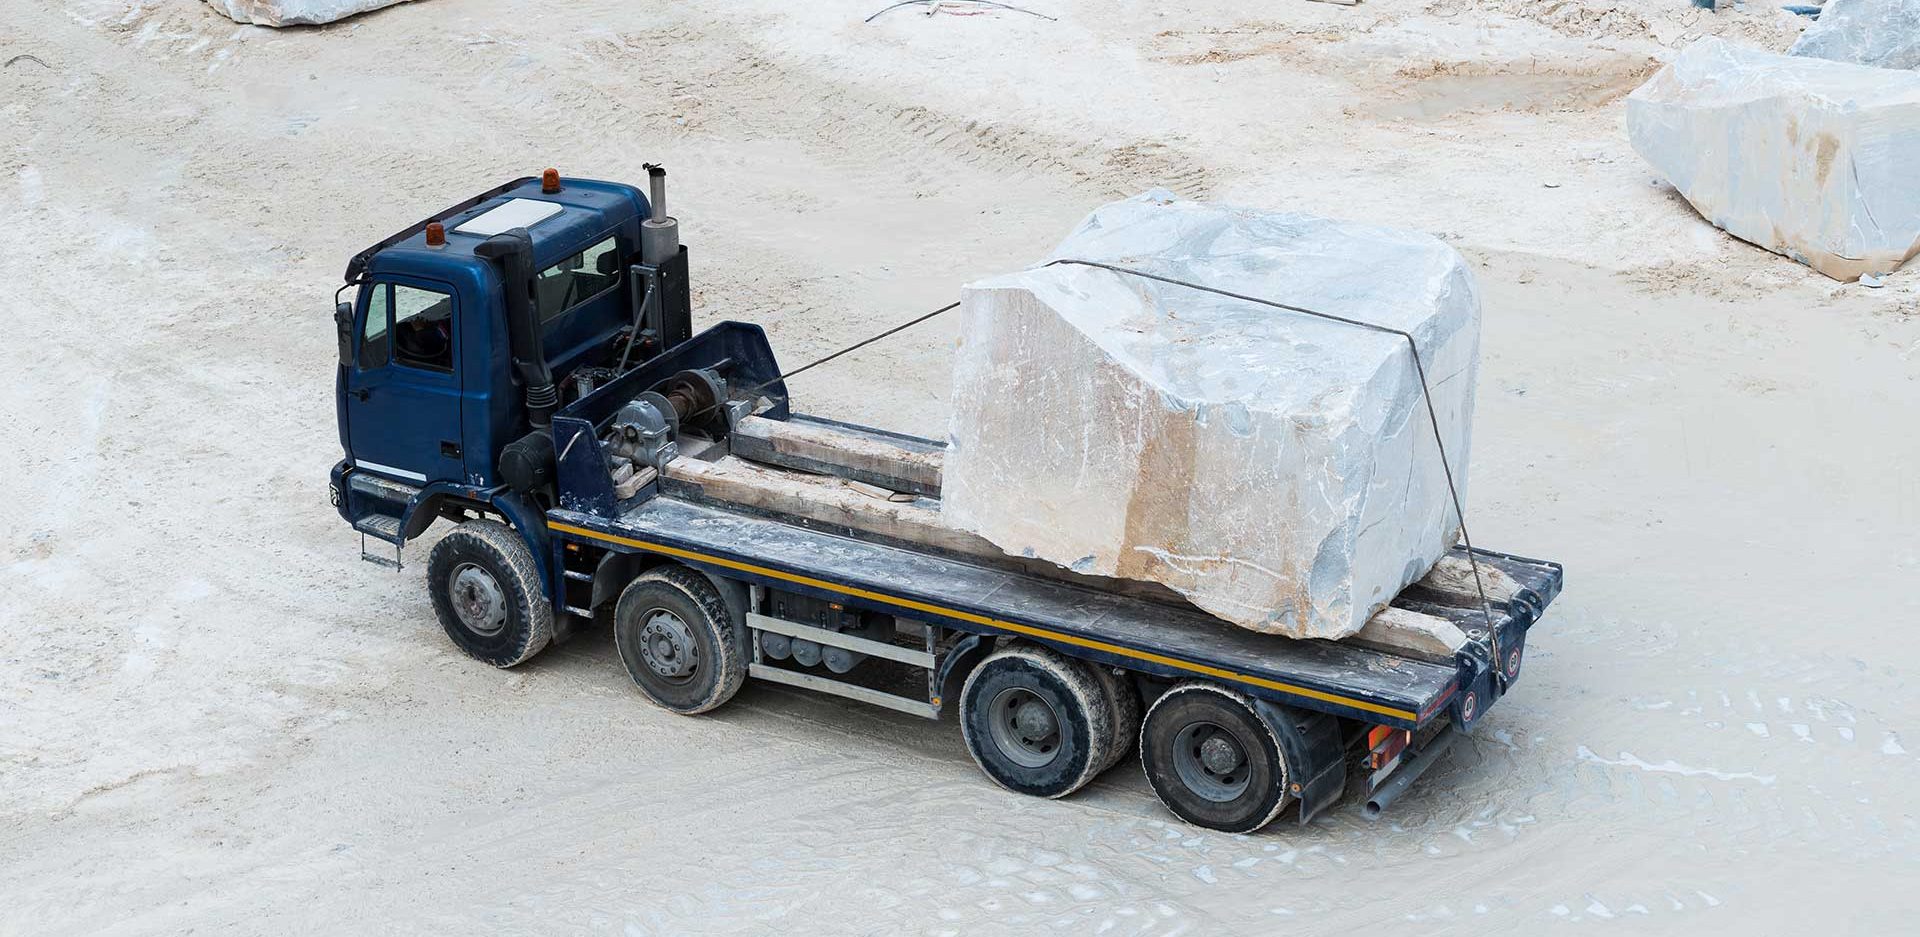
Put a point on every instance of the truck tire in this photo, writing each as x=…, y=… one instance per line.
x=1036, y=721
x=1212, y=760
x=1124, y=700
x=677, y=640
x=488, y=595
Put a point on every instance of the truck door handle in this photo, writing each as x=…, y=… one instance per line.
x=361, y=393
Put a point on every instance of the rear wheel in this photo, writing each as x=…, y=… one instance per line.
x=1037, y=722
x=487, y=593
x=1212, y=760
x=677, y=640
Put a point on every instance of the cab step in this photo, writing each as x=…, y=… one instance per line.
x=384, y=528
x=380, y=527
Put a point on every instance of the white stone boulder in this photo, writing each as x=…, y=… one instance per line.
x=295, y=12
x=1814, y=159
x=1279, y=470
x=1880, y=33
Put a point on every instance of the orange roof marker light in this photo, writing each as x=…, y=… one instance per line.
x=436, y=234
x=550, y=181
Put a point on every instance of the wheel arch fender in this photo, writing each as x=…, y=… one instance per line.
x=967, y=653
x=426, y=506
x=1316, y=756
x=530, y=523
x=619, y=568
x=738, y=599
x=615, y=570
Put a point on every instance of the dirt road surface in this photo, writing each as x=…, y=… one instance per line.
x=214, y=719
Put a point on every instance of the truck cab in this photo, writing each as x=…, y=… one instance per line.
x=434, y=387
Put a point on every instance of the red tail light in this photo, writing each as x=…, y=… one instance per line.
x=1384, y=744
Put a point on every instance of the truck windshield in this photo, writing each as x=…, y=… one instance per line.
x=577, y=279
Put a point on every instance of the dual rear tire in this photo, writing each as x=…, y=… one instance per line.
x=1040, y=723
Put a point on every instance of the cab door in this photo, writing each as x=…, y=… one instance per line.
x=403, y=391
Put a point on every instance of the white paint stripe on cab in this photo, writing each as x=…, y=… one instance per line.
x=388, y=470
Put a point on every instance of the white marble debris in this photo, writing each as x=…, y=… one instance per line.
x=295, y=12
x=1277, y=469
x=1806, y=157
x=1880, y=33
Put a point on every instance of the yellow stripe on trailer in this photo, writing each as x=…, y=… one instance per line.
x=1014, y=627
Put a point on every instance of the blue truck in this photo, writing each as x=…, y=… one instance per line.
x=523, y=366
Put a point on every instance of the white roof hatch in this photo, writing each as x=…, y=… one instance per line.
x=513, y=213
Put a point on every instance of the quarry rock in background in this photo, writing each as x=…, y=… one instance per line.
x=295, y=12
x=1810, y=158
x=1277, y=469
x=1880, y=33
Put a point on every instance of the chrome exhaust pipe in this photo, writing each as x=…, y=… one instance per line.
x=660, y=233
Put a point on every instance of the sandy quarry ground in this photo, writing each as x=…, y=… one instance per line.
x=215, y=719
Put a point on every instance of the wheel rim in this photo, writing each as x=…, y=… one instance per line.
x=478, y=600
x=1211, y=762
x=1025, y=727
x=667, y=646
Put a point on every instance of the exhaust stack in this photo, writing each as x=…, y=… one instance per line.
x=512, y=250
x=659, y=234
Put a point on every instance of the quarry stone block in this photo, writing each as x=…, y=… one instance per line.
x=1880, y=33
x=295, y=12
x=1810, y=158
x=1277, y=469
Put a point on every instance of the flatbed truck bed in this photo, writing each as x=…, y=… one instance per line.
x=1349, y=717
x=1167, y=641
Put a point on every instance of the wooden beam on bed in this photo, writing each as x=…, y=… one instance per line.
x=826, y=450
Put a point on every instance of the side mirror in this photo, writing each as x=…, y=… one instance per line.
x=343, y=328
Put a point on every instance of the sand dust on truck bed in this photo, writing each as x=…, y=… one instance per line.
x=215, y=719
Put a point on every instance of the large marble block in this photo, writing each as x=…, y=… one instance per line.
x=1814, y=159
x=295, y=12
x=1880, y=33
x=1279, y=470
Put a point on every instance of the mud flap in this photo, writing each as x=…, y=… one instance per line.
x=1316, y=762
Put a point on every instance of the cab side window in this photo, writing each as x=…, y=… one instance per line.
x=373, y=337
x=422, y=328
x=407, y=325
x=577, y=279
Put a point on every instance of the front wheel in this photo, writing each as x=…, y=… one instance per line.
x=487, y=593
